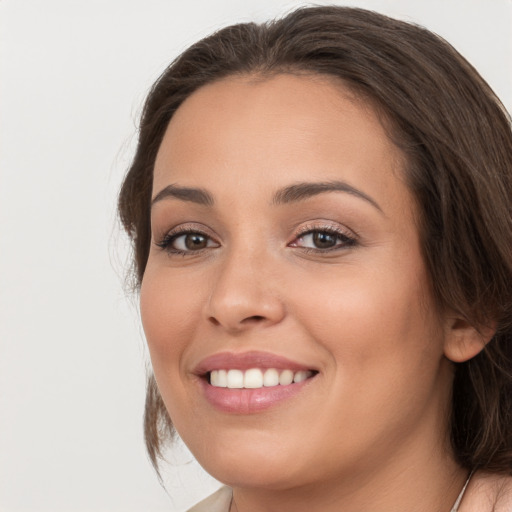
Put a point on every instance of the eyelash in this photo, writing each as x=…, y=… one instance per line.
x=346, y=240
x=166, y=242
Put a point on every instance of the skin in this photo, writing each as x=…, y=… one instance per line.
x=370, y=431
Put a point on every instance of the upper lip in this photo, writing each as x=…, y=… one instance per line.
x=247, y=360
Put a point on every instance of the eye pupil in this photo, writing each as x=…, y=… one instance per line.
x=324, y=240
x=196, y=241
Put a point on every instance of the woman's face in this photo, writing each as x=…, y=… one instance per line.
x=285, y=245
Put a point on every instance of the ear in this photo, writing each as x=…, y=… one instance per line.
x=464, y=341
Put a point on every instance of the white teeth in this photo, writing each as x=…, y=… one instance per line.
x=255, y=378
x=286, y=377
x=223, y=378
x=301, y=375
x=271, y=377
x=219, y=378
x=235, y=379
x=214, y=379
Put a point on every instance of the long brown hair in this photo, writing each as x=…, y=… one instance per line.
x=457, y=140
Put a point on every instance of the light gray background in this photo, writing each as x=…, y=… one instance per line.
x=73, y=74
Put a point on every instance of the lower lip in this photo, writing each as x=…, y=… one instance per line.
x=249, y=401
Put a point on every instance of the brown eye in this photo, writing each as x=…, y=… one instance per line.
x=324, y=240
x=194, y=241
x=186, y=242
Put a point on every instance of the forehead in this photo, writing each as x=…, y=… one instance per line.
x=282, y=128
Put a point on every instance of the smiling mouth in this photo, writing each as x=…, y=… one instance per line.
x=256, y=378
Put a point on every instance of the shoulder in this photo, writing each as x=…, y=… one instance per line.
x=503, y=489
x=488, y=492
x=219, y=501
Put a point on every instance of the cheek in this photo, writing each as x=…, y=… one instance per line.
x=385, y=349
x=374, y=321
x=167, y=311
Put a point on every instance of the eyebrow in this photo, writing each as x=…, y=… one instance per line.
x=194, y=195
x=291, y=194
x=302, y=191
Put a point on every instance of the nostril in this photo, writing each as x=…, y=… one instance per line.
x=255, y=318
x=248, y=320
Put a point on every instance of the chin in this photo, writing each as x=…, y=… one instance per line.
x=249, y=464
x=260, y=474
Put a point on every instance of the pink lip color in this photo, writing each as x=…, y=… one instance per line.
x=246, y=360
x=248, y=401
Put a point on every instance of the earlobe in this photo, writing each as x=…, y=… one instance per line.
x=464, y=341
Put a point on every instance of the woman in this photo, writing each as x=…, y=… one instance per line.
x=320, y=209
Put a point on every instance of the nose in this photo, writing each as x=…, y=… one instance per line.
x=245, y=294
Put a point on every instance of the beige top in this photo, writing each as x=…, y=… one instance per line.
x=219, y=501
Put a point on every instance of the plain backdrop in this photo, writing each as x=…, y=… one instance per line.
x=73, y=75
